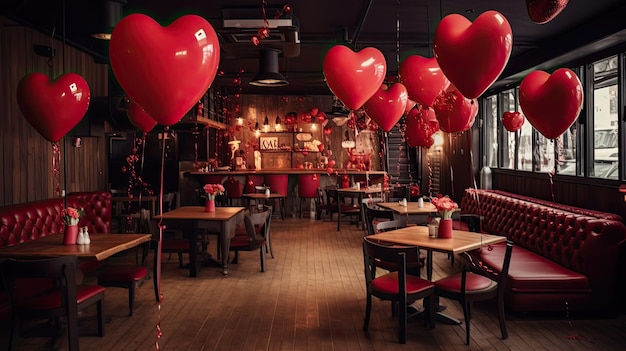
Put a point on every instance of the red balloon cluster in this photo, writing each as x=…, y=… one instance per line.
x=551, y=103
x=513, y=121
x=53, y=108
x=139, y=118
x=421, y=124
x=423, y=79
x=181, y=80
x=455, y=112
x=290, y=118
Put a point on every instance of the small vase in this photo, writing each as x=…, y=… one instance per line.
x=70, y=235
x=445, y=229
x=210, y=205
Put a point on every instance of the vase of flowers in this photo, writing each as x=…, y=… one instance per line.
x=71, y=217
x=211, y=191
x=445, y=206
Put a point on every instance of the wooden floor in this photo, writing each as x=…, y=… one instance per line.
x=311, y=297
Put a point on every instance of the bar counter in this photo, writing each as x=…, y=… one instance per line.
x=291, y=171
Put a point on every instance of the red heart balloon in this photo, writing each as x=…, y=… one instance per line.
x=53, y=108
x=551, y=103
x=544, y=11
x=455, y=112
x=386, y=107
x=472, y=55
x=354, y=76
x=165, y=70
x=423, y=79
x=512, y=121
x=419, y=129
x=139, y=118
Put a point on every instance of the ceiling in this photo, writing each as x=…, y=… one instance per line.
x=593, y=25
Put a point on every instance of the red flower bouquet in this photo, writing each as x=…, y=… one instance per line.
x=445, y=206
x=213, y=189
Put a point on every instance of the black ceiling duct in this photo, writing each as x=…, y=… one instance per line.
x=268, y=75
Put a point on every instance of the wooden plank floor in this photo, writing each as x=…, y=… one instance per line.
x=311, y=297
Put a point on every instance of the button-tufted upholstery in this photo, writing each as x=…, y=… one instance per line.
x=31, y=220
x=564, y=254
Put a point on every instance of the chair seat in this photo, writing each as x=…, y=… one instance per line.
x=125, y=273
x=475, y=283
x=349, y=209
x=52, y=299
x=242, y=241
x=388, y=284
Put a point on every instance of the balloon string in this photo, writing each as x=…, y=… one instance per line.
x=451, y=169
x=430, y=175
x=56, y=160
x=553, y=171
x=477, y=198
x=161, y=227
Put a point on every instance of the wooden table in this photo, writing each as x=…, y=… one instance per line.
x=461, y=241
x=358, y=193
x=411, y=208
x=223, y=221
x=102, y=247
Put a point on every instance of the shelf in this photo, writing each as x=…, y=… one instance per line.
x=276, y=151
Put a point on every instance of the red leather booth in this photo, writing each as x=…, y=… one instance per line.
x=565, y=258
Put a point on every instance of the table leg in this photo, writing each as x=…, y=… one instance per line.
x=156, y=273
x=429, y=265
x=193, y=250
x=225, y=241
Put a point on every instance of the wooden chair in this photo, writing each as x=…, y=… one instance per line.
x=62, y=300
x=125, y=277
x=477, y=282
x=254, y=240
x=337, y=205
x=373, y=216
x=398, y=286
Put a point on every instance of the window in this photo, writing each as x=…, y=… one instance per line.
x=491, y=131
x=605, y=119
x=509, y=149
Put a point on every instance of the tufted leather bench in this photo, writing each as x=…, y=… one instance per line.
x=31, y=220
x=565, y=257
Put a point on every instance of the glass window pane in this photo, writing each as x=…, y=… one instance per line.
x=567, y=153
x=525, y=153
x=508, y=140
x=544, y=154
x=491, y=131
x=605, y=119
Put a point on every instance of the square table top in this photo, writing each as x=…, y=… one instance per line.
x=461, y=240
x=370, y=190
x=102, y=246
x=197, y=212
x=410, y=209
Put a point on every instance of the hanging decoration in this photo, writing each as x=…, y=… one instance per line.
x=181, y=80
x=386, y=107
x=354, y=76
x=421, y=124
x=455, y=112
x=512, y=121
x=551, y=102
x=55, y=107
x=423, y=79
x=544, y=11
x=489, y=40
x=264, y=32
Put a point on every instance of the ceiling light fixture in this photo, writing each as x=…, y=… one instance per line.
x=268, y=75
x=111, y=14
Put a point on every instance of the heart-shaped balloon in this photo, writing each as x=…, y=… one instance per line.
x=165, y=70
x=455, y=112
x=139, y=118
x=386, y=107
x=53, y=108
x=472, y=55
x=551, y=103
x=354, y=76
x=544, y=11
x=513, y=121
x=423, y=79
x=420, y=127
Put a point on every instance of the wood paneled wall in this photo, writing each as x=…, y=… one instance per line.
x=25, y=156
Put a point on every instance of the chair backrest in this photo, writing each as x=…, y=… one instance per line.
x=58, y=272
x=375, y=251
x=475, y=266
x=278, y=183
x=234, y=188
x=371, y=214
x=168, y=201
x=253, y=220
x=308, y=185
x=386, y=226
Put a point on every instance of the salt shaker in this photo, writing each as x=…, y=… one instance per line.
x=80, y=239
x=86, y=238
x=267, y=192
x=420, y=203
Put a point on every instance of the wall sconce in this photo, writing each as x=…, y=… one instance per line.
x=314, y=126
x=277, y=124
x=240, y=121
x=266, y=125
x=257, y=131
x=438, y=139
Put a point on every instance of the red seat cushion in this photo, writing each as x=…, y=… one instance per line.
x=123, y=273
x=474, y=282
x=239, y=241
x=52, y=298
x=388, y=284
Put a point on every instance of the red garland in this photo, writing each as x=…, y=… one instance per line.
x=56, y=161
